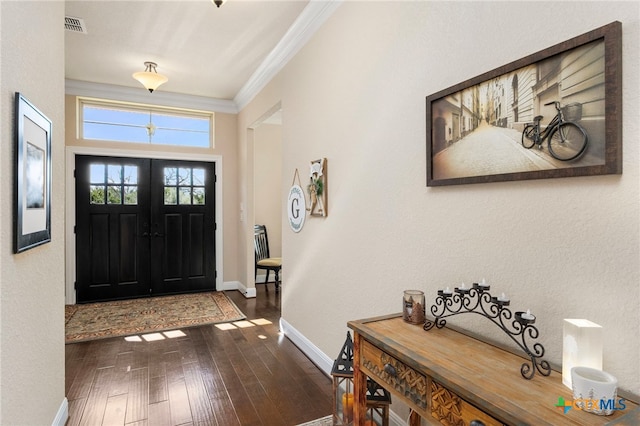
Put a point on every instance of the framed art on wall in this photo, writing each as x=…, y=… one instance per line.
x=317, y=188
x=32, y=178
x=555, y=113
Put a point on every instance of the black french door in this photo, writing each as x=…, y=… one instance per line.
x=143, y=227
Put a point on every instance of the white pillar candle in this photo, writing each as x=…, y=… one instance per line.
x=581, y=347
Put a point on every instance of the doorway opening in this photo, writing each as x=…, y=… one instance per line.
x=72, y=152
x=267, y=182
x=143, y=227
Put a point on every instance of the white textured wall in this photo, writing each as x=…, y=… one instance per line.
x=32, y=283
x=355, y=94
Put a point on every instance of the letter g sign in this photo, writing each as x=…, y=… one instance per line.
x=296, y=209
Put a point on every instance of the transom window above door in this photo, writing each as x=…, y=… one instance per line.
x=145, y=124
x=184, y=186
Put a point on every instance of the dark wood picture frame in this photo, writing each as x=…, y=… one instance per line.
x=474, y=128
x=32, y=177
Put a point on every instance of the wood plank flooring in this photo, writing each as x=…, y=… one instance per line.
x=244, y=376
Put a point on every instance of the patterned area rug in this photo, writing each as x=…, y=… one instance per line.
x=125, y=317
x=325, y=421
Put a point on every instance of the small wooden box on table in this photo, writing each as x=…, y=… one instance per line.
x=450, y=378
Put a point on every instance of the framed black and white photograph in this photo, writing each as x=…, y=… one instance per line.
x=555, y=113
x=32, y=207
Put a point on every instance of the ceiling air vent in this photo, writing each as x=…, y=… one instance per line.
x=75, y=25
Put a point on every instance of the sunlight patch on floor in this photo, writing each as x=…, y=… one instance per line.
x=261, y=321
x=243, y=324
x=174, y=333
x=152, y=337
x=226, y=326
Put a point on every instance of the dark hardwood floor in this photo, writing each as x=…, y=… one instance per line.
x=243, y=376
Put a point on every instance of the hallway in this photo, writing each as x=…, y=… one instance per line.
x=210, y=376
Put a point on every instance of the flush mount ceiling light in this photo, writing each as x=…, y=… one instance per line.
x=150, y=78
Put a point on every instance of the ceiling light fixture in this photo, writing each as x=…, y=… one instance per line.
x=218, y=3
x=150, y=78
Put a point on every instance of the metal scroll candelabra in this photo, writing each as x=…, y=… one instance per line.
x=477, y=300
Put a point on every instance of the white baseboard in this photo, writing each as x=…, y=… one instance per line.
x=230, y=285
x=237, y=285
x=321, y=360
x=62, y=415
x=260, y=278
x=318, y=357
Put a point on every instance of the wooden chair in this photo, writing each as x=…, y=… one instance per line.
x=263, y=258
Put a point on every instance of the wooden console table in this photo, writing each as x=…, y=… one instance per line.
x=449, y=378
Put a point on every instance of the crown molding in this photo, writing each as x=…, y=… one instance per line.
x=305, y=26
x=130, y=94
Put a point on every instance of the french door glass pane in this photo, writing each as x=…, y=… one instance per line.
x=170, y=176
x=184, y=176
x=131, y=175
x=185, y=196
x=114, y=194
x=184, y=186
x=198, y=177
x=96, y=173
x=114, y=174
x=170, y=195
x=131, y=195
x=97, y=194
x=198, y=195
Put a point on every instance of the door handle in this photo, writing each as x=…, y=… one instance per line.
x=155, y=234
x=145, y=234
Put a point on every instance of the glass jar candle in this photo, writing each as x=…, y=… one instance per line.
x=413, y=306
